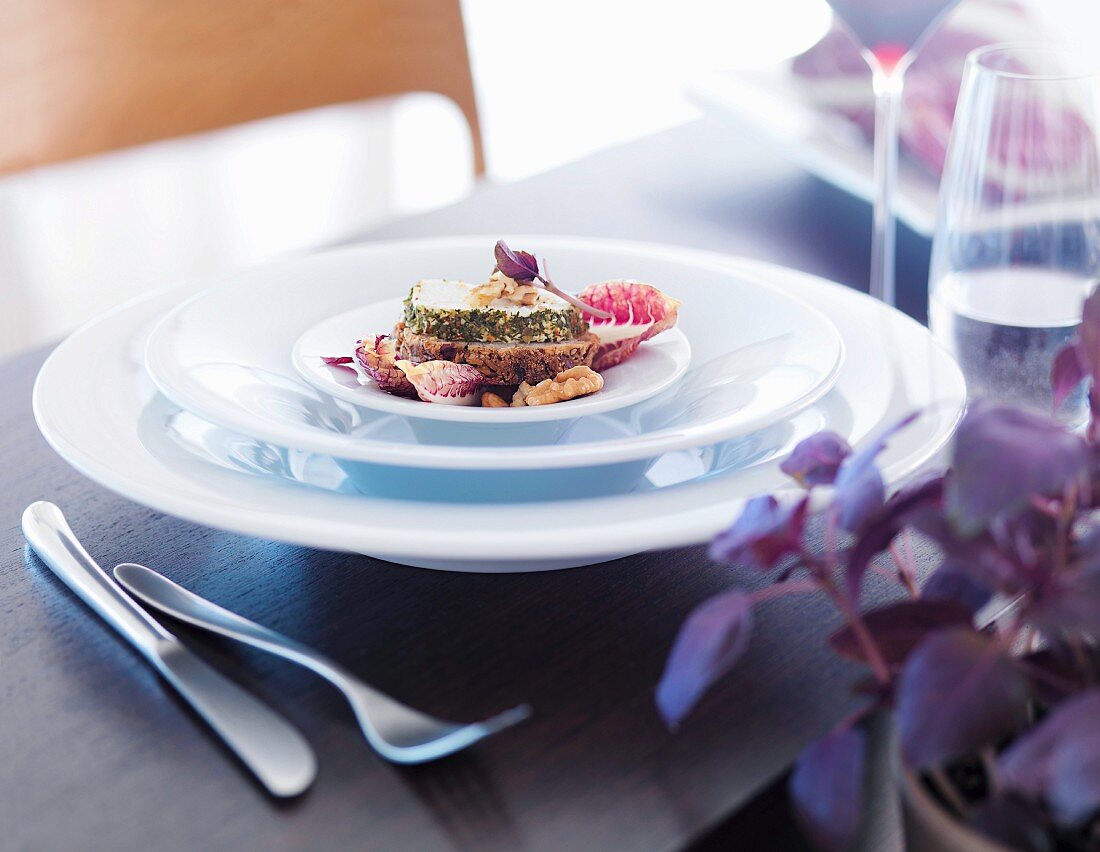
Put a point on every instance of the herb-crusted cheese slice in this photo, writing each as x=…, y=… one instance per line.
x=442, y=309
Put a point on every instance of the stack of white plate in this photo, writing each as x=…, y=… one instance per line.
x=212, y=403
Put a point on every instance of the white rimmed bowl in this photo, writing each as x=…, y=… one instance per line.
x=759, y=354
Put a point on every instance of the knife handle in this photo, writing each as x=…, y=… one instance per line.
x=53, y=540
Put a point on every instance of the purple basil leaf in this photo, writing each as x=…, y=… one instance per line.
x=762, y=535
x=712, y=639
x=881, y=527
x=517, y=265
x=1011, y=821
x=1088, y=335
x=977, y=557
x=952, y=582
x=958, y=691
x=1059, y=760
x=1068, y=602
x=1074, y=792
x=816, y=459
x=860, y=490
x=337, y=360
x=898, y=628
x=1067, y=372
x=1005, y=456
x=826, y=788
x=1058, y=670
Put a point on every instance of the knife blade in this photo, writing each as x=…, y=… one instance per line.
x=265, y=742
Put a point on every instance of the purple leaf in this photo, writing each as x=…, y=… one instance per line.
x=1059, y=760
x=958, y=691
x=1068, y=601
x=1067, y=372
x=1088, y=335
x=517, y=265
x=860, y=491
x=952, y=582
x=1011, y=821
x=816, y=459
x=1003, y=458
x=712, y=639
x=898, y=628
x=977, y=557
x=826, y=788
x=337, y=360
x=762, y=535
x=1060, y=669
x=879, y=530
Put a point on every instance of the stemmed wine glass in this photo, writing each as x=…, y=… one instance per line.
x=890, y=33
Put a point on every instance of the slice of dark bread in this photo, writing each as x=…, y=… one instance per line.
x=500, y=363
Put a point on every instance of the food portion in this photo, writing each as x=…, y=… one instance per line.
x=455, y=310
x=501, y=363
x=513, y=340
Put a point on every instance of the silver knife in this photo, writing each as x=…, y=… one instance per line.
x=265, y=742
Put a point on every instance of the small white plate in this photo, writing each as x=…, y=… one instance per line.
x=759, y=354
x=111, y=425
x=658, y=364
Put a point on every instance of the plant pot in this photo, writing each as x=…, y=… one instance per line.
x=929, y=827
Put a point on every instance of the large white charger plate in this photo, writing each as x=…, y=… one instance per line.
x=99, y=421
x=759, y=354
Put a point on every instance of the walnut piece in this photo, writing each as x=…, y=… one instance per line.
x=500, y=286
x=574, y=382
x=519, y=398
x=491, y=400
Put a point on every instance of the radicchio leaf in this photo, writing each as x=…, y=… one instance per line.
x=898, y=628
x=710, y=641
x=815, y=460
x=444, y=382
x=636, y=312
x=337, y=360
x=763, y=533
x=1059, y=760
x=1003, y=458
x=826, y=788
x=958, y=691
x=377, y=355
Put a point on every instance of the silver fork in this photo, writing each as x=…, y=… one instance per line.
x=398, y=733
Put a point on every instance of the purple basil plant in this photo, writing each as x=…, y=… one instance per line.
x=1001, y=718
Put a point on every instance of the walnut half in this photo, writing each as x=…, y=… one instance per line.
x=492, y=400
x=574, y=382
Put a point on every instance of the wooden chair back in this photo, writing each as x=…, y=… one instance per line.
x=80, y=77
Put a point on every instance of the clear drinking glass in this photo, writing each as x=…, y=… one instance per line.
x=1017, y=245
x=891, y=32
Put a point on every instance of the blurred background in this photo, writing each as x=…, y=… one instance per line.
x=553, y=83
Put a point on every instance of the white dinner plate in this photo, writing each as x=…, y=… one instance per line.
x=656, y=366
x=759, y=354
x=112, y=426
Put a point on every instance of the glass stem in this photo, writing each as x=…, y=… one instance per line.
x=888, y=86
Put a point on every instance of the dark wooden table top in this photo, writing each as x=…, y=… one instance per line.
x=98, y=753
